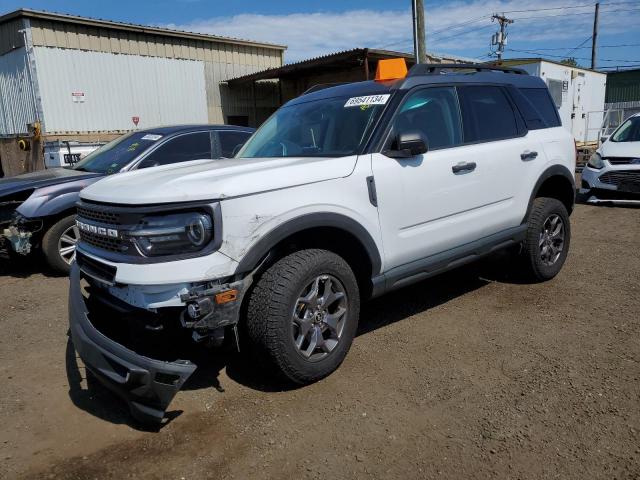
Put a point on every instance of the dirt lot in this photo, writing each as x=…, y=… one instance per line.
x=470, y=375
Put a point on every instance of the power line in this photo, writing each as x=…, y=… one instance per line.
x=580, y=45
x=599, y=46
x=534, y=52
x=442, y=30
x=566, y=7
x=575, y=14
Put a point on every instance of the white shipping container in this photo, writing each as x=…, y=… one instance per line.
x=86, y=91
x=65, y=154
x=577, y=92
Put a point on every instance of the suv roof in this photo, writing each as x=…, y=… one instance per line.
x=170, y=129
x=427, y=74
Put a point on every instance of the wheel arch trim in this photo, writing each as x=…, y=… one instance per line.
x=306, y=222
x=552, y=171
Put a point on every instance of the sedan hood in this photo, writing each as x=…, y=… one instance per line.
x=620, y=149
x=43, y=178
x=217, y=180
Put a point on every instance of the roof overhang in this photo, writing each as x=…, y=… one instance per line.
x=131, y=27
x=324, y=64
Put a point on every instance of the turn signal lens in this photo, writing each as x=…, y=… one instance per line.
x=226, y=297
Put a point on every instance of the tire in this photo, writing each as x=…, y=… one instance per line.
x=547, y=241
x=282, y=293
x=58, y=236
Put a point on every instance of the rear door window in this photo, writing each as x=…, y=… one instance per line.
x=487, y=114
x=183, y=148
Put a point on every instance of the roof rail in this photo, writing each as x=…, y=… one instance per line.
x=321, y=86
x=440, y=68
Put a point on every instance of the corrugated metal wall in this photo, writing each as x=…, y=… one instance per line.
x=623, y=86
x=10, y=36
x=111, y=40
x=116, y=88
x=17, y=107
x=223, y=101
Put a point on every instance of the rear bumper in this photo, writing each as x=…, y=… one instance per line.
x=147, y=385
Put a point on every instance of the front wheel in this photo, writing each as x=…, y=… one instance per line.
x=546, y=245
x=59, y=244
x=303, y=313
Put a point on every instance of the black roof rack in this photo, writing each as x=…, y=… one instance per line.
x=440, y=68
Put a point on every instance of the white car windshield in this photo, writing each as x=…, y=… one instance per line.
x=329, y=127
x=629, y=131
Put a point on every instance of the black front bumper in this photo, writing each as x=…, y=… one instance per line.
x=147, y=385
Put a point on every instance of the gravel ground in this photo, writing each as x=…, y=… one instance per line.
x=473, y=374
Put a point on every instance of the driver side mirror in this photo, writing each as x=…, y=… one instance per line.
x=604, y=138
x=408, y=144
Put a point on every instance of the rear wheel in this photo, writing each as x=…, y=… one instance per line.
x=303, y=314
x=546, y=245
x=59, y=244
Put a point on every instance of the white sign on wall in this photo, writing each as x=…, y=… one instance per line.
x=78, y=97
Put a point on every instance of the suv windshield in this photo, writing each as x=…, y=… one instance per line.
x=628, y=132
x=329, y=127
x=110, y=158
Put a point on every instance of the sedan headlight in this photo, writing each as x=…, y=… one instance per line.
x=173, y=234
x=596, y=161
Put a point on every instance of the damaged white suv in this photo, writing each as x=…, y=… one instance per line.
x=345, y=193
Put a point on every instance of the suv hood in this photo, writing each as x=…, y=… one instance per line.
x=620, y=149
x=43, y=178
x=217, y=180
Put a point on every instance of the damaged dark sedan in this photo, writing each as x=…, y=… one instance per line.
x=37, y=210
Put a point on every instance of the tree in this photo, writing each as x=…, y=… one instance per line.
x=569, y=61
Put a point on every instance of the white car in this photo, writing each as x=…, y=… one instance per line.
x=344, y=194
x=613, y=171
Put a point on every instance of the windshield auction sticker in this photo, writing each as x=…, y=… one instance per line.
x=152, y=137
x=367, y=100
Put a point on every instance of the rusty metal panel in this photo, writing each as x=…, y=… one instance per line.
x=17, y=106
x=111, y=89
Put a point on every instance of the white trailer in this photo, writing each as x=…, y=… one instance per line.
x=577, y=92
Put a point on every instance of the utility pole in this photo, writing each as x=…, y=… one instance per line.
x=594, y=37
x=419, y=47
x=500, y=38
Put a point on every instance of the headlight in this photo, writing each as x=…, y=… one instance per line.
x=173, y=234
x=596, y=161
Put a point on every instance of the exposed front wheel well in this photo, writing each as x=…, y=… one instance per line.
x=333, y=239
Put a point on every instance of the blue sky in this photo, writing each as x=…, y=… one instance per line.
x=552, y=28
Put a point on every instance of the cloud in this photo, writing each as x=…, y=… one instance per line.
x=463, y=28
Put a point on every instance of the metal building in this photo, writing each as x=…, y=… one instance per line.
x=353, y=65
x=69, y=77
x=623, y=97
x=577, y=92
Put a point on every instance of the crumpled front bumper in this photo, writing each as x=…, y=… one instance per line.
x=147, y=385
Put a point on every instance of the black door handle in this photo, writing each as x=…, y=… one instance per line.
x=464, y=167
x=527, y=155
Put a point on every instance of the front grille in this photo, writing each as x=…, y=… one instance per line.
x=105, y=243
x=99, y=215
x=622, y=160
x=95, y=269
x=619, y=177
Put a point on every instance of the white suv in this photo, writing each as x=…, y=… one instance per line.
x=344, y=194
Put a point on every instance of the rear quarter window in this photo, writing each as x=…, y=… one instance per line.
x=540, y=100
